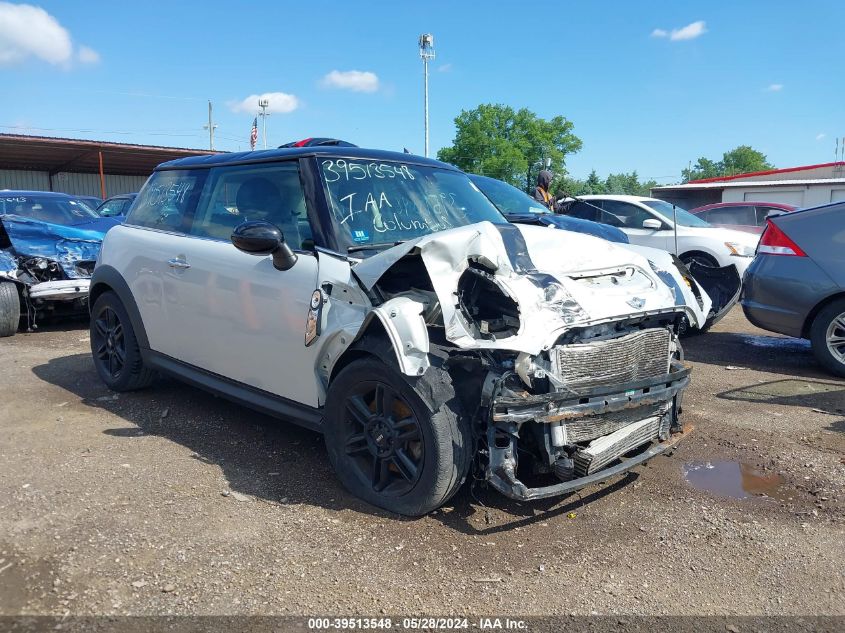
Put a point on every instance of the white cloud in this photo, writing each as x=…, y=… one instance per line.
x=688, y=32
x=27, y=31
x=774, y=88
x=355, y=80
x=820, y=136
x=280, y=103
x=87, y=55
x=444, y=68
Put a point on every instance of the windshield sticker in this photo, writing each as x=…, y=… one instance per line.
x=360, y=236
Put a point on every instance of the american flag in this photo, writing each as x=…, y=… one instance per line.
x=253, y=135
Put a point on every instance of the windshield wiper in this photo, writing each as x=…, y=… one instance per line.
x=372, y=247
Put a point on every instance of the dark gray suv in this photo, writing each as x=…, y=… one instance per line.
x=796, y=283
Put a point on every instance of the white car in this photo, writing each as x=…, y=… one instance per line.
x=651, y=222
x=382, y=300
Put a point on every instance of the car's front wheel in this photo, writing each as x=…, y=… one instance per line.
x=114, y=346
x=827, y=335
x=399, y=443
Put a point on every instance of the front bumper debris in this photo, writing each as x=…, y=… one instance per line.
x=63, y=290
x=601, y=425
x=515, y=489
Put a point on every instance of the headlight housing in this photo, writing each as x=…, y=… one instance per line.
x=740, y=250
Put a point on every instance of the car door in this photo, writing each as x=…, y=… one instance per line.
x=630, y=218
x=239, y=317
x=150, y=243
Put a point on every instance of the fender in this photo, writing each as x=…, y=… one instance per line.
x=402, y=319
x=106, y=278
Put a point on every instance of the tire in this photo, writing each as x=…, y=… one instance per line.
x=702, y=258
x=114, y=347
x=827, y=336
x=410, y=465
x=10, y=309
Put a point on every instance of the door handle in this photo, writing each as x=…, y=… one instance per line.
x=177, y=262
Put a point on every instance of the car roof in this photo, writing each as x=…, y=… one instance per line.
x=746, y=203
x=269, y=155
x=27, y=192
x=617, y=196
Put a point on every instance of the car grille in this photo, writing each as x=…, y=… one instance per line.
x=636, y=356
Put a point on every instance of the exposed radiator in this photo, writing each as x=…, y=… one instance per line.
x=636, y=356
x=606, y=449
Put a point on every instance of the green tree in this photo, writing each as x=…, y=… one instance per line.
x=744, y=159
x=496, y=140
x=740, y=160
x=628, y=184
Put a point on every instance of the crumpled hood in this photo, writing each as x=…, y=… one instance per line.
x=66, y=245
x=558, y=279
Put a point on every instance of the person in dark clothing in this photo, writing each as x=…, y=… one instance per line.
x=541, y=191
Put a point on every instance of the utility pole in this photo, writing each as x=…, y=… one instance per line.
x=264, y=104
x=210, y=127
x=426, y=43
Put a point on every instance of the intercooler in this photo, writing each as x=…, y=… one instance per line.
x=636, y=356
x=606, y=449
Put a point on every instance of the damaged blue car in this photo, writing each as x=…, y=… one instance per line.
x=49, y=243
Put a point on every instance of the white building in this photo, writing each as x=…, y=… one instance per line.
x=806, y=186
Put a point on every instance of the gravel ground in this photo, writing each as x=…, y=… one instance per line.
x=172, y=501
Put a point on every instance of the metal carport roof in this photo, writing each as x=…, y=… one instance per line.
x=54, y=155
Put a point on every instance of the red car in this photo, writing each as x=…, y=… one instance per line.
x=742, y=216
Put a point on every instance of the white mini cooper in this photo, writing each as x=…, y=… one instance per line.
x=381, y=299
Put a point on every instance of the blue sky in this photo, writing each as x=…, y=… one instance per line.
x=649, y=86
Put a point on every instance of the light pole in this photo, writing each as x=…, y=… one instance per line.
x=264, y=104
x=426, y=53
x=210, y=127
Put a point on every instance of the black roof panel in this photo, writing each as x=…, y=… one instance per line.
x=269, y=155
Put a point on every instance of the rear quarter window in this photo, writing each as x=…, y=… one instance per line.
x=168, y=200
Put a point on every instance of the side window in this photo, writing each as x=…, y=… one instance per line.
x=624, y=214
x=167, y=200
x=743, y=215
x=585, y=211
x=765, y=212
x=267, y=192
x=112, y=208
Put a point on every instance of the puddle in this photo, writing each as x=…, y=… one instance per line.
x=776, y=342
x=736, y=480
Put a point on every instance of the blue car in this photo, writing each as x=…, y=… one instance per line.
x=520, y=208
x=49, y=243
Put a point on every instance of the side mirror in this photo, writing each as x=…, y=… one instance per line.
x=652, y=223
x=263, y=238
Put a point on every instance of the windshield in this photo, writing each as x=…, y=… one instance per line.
x=507, y=198
x=55, y=210
x=382, y=203
x=685, y=218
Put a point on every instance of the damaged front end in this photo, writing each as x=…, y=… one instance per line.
x=51, y=264
x=563, y=347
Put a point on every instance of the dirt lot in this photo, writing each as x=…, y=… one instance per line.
x=171, y=501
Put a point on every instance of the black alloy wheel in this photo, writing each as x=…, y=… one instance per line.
x=108, y=343
x=383, y=438
x=398, y=442
x=114, y=346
